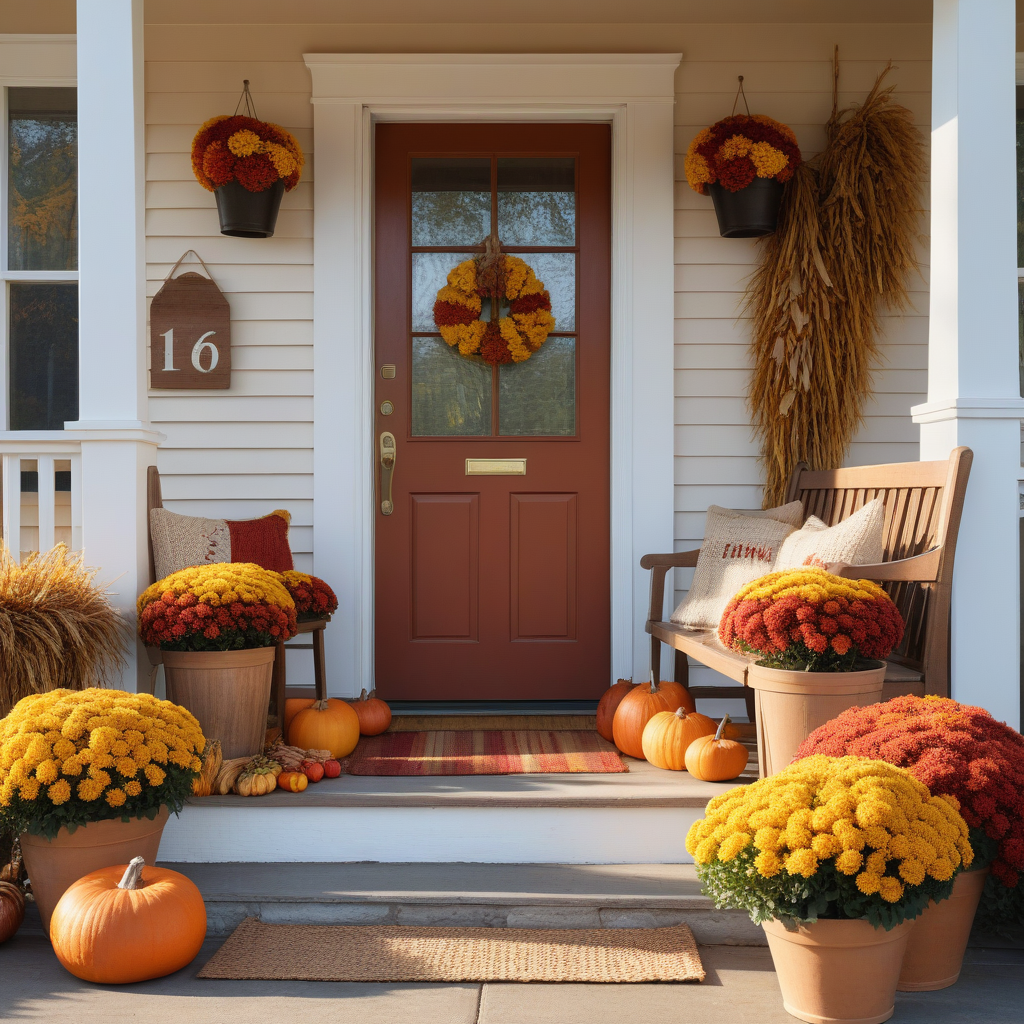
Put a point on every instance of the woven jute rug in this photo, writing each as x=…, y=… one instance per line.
x=506, y=752
x=290, y=952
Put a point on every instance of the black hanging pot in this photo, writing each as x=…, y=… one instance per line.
x=749, y=213
x=246, y=214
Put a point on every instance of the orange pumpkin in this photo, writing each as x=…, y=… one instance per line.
x=638, y=707
x=668, y=735
x=12, y=909
x=292, y=706
x=374, y=715
x=125, y=924
x=292, y=782
x=608, y=704
x=326, y=725
x=715, y=758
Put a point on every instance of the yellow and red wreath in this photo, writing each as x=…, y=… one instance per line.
x=510, y=339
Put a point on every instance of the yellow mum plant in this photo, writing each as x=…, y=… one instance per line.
x=831, y=837
x=71, y=757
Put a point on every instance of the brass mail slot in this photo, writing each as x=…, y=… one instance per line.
x=495, y=467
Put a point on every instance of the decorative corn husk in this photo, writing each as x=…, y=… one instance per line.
x=57, y=626
x=843, y=249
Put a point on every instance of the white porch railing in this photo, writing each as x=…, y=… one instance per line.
x=36, y=520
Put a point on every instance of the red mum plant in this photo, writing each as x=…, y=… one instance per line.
x=738, y=149
x=313, y=598
x=808, y=618
x=254, y=153
x=955, y=750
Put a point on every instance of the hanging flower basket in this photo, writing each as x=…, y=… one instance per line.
x=742, y=162
x=248, y=164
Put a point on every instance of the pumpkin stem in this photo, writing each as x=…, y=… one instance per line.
x=721, y=727
x=362, y=694
x=681, y=713
x=320, y=705
x=133, y=874
x=654, y=687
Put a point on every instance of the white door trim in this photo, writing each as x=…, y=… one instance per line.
x=634, y=93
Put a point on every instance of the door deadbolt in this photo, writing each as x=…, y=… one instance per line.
x=387, y=471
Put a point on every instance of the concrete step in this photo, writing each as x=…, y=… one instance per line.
x=470, y=895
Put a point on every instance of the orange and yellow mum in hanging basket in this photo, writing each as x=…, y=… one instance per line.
x=738, y=149
x=256, y=154
x=511, y=339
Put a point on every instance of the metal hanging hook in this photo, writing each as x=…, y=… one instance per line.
x=739, y=93
x=246, y=98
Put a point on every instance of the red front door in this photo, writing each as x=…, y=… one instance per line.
x=492, y=558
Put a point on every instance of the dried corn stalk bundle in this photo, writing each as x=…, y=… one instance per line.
x=843, y=250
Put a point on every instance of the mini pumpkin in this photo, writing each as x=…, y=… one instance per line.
x=714, y=758
x=668, y=735
x=128, y=923
x=258, y=777
x=326, y=725
x=639, y=706
x=292, y=782
x=12, y=909
x=374, y=714
x=607, y=705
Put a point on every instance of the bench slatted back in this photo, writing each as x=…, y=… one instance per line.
x=923, y=503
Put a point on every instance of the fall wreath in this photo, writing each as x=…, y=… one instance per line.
x=502, y=278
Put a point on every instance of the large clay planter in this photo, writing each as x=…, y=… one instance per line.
x=55, y=864
x=841, y=971
x=790, y=705
x=228, y=691
x=936, y=949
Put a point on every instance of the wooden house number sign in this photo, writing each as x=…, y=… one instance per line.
x=190, y=333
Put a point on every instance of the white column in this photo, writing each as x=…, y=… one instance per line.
x=973, y=390
x=117, y=445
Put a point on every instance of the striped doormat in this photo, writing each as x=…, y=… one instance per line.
x=483, y=752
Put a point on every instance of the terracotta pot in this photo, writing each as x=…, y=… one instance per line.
x=790, y=705
x=54, y=864
x=228, y=691
x=936, y=949
x=838, y=970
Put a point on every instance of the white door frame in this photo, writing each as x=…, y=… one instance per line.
x=634, y=93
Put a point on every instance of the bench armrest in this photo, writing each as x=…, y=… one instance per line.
x=923, y=568
x=659, y=566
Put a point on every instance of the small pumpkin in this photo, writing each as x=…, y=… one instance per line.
x=639, y=706
x=332, y=769
x=126, y=924
x=716, y=758
x=12, y=909
x=374, y=714
x=606, y=706
x=668, y=734
x=326, y=725
x=292, y=782
x=292, y=706
x=258, y=777
x=313, y=770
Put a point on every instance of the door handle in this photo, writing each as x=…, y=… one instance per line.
x=387, y=471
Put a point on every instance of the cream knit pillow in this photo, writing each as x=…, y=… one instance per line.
x=855, y=541
x=738, y=547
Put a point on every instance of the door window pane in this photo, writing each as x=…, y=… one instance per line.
x=451, y=395
x=557, y=272
x=537, y=200
x=451, y=200
x=42, y=190
x=429, y=275
x=538, y=397
x=43, y=355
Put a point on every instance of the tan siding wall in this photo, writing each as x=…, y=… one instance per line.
x=248, y=451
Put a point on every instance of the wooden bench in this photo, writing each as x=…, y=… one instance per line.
x=154, y=499
x=923, y=503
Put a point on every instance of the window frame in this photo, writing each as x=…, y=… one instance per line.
x=29, y=62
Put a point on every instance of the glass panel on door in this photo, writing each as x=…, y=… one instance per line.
x=456, y=203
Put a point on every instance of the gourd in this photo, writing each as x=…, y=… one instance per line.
x=291, y=758
x=228, y=774
x=715, y=758
x=328, y=725
x=332, y=769
x=374, y=714
x=213, y=758
x=12, y=909
x=639, y=706
x=258, y=777
x=292, y=782
x=292, y=706
x=606, y=706
x=121, y=925
x=313, y=770
x=668, y=734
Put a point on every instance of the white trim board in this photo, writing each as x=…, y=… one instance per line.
x=38, y=60
x=635, y=93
